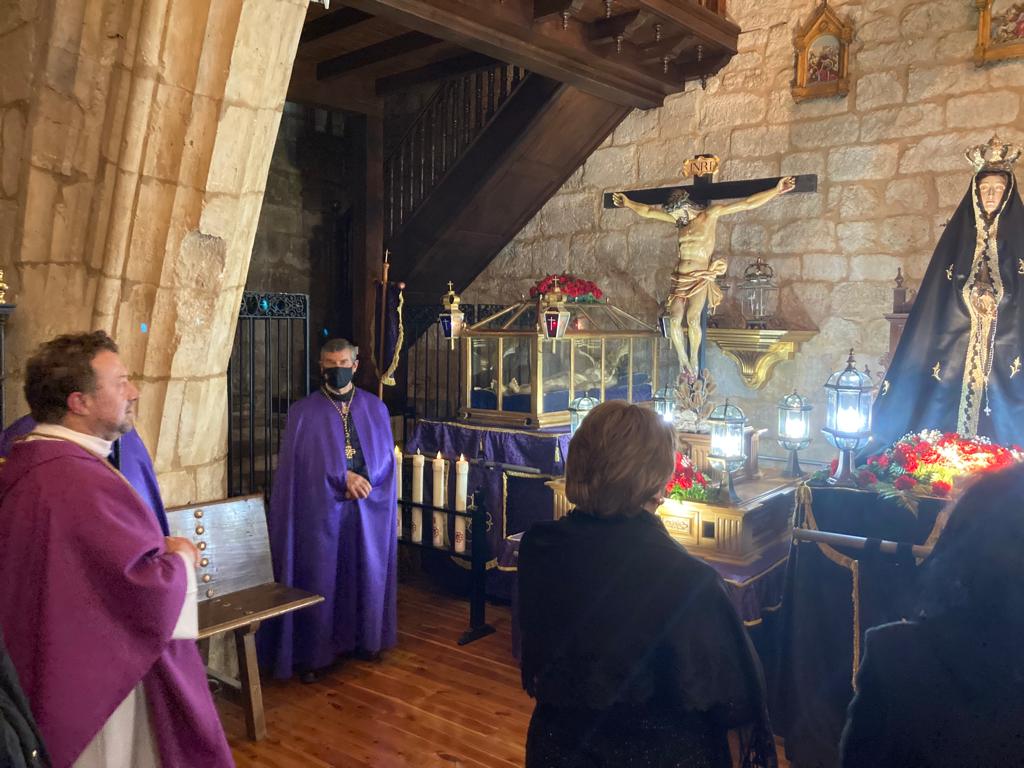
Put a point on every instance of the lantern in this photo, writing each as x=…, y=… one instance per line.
x=758, y=294
x=794, y=430
x=665, y=404
x=727, y=452
x=665, y=321
x=847, y=418
x=555, y=316
x=451, y=317
x=578, y=410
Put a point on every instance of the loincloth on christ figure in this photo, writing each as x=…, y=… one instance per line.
x=685, y=285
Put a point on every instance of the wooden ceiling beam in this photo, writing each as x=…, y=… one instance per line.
x=606, y=30
x=543, y=9
x=508, y=32
x=374, y=54
x=329, y=23
x=439, y=70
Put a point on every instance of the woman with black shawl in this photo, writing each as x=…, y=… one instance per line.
x=630, y=646
x=947, y=690
x=958, y=366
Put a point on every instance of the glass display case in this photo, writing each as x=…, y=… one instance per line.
x=516, y=377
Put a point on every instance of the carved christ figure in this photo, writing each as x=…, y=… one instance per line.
x=693, y=280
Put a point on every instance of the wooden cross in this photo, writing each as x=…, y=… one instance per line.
x=704, y=188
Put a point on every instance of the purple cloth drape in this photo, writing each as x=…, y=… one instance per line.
x=96, y=601
x=345, y=550
x=135, y=465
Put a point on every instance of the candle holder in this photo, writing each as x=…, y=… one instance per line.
x=665, y=404
x=578, y=410
x=794, y=430
x=847, y=419
x=727, y=449
x=555, y=315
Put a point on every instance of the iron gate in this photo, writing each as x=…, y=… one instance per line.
x=268, y=371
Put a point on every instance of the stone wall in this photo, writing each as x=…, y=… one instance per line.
x=136, y=140
x=889, y=159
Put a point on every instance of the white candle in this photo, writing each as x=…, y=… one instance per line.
x=849, y=420
x=461, y=492
x=794, y=426
x=417, y=496
x=398, y=487
x=439, y=496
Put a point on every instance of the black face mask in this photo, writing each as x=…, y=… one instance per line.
x=338, y=378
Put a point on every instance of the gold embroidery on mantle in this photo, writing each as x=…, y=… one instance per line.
x=1020, y=267
x=937, y=371
x=949, y=272
x=982, y=302
x=885, y=388
x=1015, y=366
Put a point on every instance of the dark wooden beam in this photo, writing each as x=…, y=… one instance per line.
x=508, y=32
x=606, y=30
x=708, y=26
x=439, y=70
x=343, y=18
x=545, y=8
x=720, y=190
x=373, y=54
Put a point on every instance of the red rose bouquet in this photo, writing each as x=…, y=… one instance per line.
x=575, y=288
x=688, y=483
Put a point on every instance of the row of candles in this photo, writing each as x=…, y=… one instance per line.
x=439, y=500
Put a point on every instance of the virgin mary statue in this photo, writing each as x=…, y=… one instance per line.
x=958, y=364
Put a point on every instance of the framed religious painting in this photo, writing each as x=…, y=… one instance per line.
x=1000, y=30
x=822, y=55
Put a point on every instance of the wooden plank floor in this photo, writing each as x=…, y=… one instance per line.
x=427, y=703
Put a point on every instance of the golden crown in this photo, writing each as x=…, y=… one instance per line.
x=995, y=156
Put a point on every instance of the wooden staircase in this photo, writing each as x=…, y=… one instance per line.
x=486, y=152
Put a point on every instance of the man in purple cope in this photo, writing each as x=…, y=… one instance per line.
x=333, y=524
x=101, y=617
x=129, y=457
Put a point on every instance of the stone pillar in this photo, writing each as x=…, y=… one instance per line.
x=133, y=171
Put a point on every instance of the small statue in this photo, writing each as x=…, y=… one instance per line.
x=694, y=278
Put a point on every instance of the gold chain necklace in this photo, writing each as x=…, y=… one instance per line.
x=350, y=452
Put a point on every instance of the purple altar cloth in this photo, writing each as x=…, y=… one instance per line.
x=134, y=464
x=754, y=589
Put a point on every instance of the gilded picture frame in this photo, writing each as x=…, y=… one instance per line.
x=1000, y=30
x=822, y=55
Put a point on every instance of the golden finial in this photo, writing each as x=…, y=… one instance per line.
x=3, y=288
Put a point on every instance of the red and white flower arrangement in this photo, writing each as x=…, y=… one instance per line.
x=929, y=463
x=575, y=288
x=688, y=483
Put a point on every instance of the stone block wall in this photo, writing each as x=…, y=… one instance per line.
x=889, y=159
x=136, y=138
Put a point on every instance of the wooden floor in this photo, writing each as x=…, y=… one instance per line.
x=426, y=703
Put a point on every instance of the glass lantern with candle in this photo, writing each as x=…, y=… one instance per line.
x=727, y=452
x=556, y=316
x=665, y=404
x=758, y=294
x=578, y=410
x=794, y=430
x=451, y=317
x=847, y=418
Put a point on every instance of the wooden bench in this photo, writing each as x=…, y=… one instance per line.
x=236, y=588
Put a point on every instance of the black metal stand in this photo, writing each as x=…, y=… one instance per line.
x=793, y=468
x=479, y=554
x=478, y=626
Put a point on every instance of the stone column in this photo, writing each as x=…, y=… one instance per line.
x=140, y=137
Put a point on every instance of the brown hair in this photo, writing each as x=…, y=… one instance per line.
x=58, y=368
x=620, y=457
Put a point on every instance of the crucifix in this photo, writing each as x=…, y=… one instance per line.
x=690, y=208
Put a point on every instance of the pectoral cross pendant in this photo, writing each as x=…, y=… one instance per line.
x=350, y=452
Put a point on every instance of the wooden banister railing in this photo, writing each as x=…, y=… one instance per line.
x=455, y=115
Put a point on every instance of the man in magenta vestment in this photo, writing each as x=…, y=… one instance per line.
x=129, y=457
x=333, y=524
x=98, y=603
